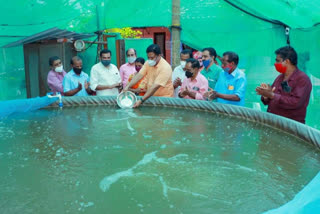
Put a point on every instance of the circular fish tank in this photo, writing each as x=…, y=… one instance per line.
x=155, y=159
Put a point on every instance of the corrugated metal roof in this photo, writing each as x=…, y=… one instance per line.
x=52, y=33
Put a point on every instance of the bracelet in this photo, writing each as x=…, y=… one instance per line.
x=142, y=100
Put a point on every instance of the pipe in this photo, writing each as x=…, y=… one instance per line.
x=58, y=94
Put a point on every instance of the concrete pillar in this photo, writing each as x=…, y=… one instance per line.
x=175, y=33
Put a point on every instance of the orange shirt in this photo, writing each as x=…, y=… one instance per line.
x=142, y=84
x=161, y=74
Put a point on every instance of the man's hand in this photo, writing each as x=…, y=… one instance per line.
x=207, y=94
x=79, y=86
x=137, y=104
x=177, y=82
x=265, y=91
x=120, y=85
x=188, y=92
x=86, y=85
x=213, y=95
x=184, y=92
x=265, y=86
x=117, y=85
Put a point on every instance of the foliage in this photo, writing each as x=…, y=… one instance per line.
x=126, y=32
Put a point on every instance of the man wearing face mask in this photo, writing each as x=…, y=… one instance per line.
x=178, y=74
x=55, y=75
x=211, y=70
x=105, y=77
x=76, y=82
x=289, y=94
x=232, y=83
x=195, y=85
x=128, y=69
x=158, y=74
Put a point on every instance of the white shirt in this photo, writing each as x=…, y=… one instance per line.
x=178, y=72
x=101, y=75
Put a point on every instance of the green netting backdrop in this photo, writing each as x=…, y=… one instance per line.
x=217, y=23
x=140, y=45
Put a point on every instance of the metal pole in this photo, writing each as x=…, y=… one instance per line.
x=100, y=38
x=175, y=33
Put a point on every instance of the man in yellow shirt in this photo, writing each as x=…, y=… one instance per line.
x=158, y=74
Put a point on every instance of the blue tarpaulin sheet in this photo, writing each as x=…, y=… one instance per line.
x=24, y=105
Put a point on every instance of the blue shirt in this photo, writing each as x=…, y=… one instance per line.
x=70, y=82
x=234, y=83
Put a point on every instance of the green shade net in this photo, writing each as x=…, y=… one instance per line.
x=12, y=76
x=294, y=13
x=138, y=13
x=20, y=18
x=140, y=45
x=24, y=18
x=307, y=44
x=253, y=29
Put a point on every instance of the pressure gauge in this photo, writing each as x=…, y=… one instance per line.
x=79, y=45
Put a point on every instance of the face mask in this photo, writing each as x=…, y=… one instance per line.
x=206, y=63
x=227, y=68
x=77, y=70
x=138, y=69
x=152, y=62
x=106, y=62
x=189, y=74
x=59, y=69
x=131, y=59
x=280, y=68
x=183, y=64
